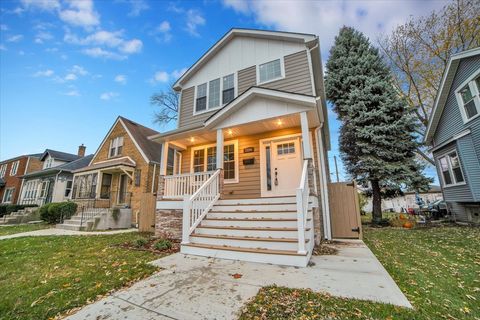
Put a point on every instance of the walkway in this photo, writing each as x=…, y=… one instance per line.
x=61, y=232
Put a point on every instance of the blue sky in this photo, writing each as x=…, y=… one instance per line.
x=69, y=68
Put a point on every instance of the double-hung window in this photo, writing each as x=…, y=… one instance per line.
x=228, y=90
x=451, y=169
x=204, y=158
x=14, y=169
x=214, y=94
x=8, y=195
x=3, y=169
x=116, y=146
x=270, y=71
x=201, y=103
x=468, y=98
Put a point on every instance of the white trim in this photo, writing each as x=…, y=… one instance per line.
x=11, y=195
x=475, y=94
x=237, y=165
x=14, y=165
x=455, y=137
x=135, y=143
x=327, y=228
x=446, y=155
x=310, y=68
x=220, y=103
x=282, y=71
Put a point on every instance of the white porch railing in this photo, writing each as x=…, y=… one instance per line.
x=195, y=207
x=303, y=195
x=180, y=185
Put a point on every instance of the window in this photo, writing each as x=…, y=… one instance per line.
x=451, y=169
x=174, y=162
x=270, y=71
x=30, y=190
x=286, y=148
x=228, y=92
x=201, y=104
x=68, y=188
x=14, y=169
x=116, y=146
x=8, y=195
x=138, y=177
x=85, y=186
x=105, y=188
x=468, y=98
x=204, y=158
x=3, y=169
x=48, y=163
x=214, y=94
x=44, y=189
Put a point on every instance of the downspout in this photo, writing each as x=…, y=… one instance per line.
x=327, y=228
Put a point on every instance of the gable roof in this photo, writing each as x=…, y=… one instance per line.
x=443, y=92
x=151, y=151
x=59, y=155
x=66, y=167
x=235, y=32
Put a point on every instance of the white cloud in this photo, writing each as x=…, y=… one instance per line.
x=121, y=78
x=3, y=27
x=131, y=46
x=76, y=69
x=160, y=76
x=15, y=38
x=44, y=73
x=164, y=30
x=3, y=48
x=46, y=5
x=101, y=53
x=42, y=36
x=325, y=18
x=72, y=93
x=70, y=77
x=194, y=19
x=137, y=7
x=178, y=73
x=80, y=13
x=108, y=95
x=21, y=52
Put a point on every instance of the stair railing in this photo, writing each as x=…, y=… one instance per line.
x=196, y=206
x=302, y=195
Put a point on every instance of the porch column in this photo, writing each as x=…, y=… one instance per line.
x=163, y=171
x=219, y=149
x=307, y=151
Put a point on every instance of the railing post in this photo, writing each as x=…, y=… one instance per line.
x=300, y=222
x=186, y=219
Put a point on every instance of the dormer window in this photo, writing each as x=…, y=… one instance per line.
x=116, y=146
x=468, y=98
x=228, y=92
x=201, y=98
x=270, y=71
x=48, y=162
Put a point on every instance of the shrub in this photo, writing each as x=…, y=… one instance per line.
x=163, y=244
x=140, y=242
x=54, y=212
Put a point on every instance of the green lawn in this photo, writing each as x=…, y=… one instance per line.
x=438, y=269
x=41, y=277
x=22, y=228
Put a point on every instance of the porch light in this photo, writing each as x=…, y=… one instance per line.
x=230, y=132
x=192, y=139
x=279, y=122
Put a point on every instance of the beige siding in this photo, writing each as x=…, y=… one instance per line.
x=249, y=176
x=297, y=79
x=246, y=79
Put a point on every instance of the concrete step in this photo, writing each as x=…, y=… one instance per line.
x=69, y=226
x=246, y=242
x=261, y=232
x=281, y=257
x=250, y=222
x=257, y=201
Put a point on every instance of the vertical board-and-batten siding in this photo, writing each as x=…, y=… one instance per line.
x=297, y=79
x=468, y=147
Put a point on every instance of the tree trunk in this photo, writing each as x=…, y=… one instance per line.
x=377, y=202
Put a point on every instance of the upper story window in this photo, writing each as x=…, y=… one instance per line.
x=215, y=93
x=3, y=169
x=451, y=169
x=48, y=163
x=116, y=146
x=468, y=98
x=14, y=169
x=270, y=71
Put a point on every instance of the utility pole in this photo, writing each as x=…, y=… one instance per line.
x=336, y=167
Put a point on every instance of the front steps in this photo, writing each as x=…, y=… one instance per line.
x=75, y=221
x=258, y=230
x=20, y=216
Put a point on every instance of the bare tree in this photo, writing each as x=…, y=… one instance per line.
x=418, y=52
x=167, y=101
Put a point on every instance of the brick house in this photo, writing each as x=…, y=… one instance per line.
x=123, y=168
x=11, y=171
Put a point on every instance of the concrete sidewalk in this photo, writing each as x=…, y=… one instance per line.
x=61, y=232
x=193, y=287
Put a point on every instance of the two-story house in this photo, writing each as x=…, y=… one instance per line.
x=53, y=182
x=454, y=134
x=244, y=176
x=11, y=171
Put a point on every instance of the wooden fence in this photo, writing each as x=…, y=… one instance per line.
x=344, y=210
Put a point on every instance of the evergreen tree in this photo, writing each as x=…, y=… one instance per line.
x=377, y=136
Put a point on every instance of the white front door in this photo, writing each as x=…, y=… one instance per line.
x=281, y=166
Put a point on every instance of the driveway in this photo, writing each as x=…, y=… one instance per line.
x=191, y=287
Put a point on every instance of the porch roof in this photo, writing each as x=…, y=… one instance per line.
x=119, y=162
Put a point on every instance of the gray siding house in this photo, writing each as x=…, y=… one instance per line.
x=454, y=134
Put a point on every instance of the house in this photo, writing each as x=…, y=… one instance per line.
x=244, y=176
x=53, y=182
x=407, y=200
x=123, y=168
x=453, y=133
x=11, y=171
